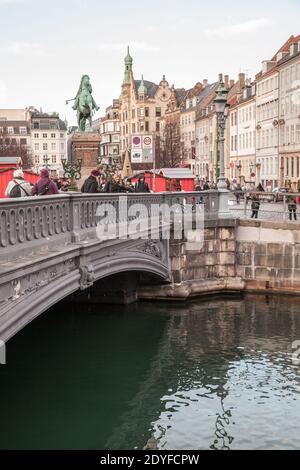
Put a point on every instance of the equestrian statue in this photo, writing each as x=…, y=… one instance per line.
x=84, y=103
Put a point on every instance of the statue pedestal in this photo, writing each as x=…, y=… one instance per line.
x=86, y=145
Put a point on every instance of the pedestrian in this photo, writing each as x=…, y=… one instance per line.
x=206, y=186
x=91, y=184
x=238, y=193
x=255, y=205
x=44, y=186
x=141, y=185
x=114, y=185
x=18, y=186
x=292, y=207
x=260, y=188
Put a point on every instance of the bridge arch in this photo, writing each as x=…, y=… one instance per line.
x=35, y=292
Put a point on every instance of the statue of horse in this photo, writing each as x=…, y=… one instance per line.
x=84, y=103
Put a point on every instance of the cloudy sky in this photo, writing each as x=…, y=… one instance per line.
x=47, y=45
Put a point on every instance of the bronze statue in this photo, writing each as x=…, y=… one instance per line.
x=84, y=103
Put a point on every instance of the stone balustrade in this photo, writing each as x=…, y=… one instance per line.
x=35, y=223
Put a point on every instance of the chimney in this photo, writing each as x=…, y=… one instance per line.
x=226, y=81
x=231, y=83
x=220, y=77
x=242, y=79
x=205, y=83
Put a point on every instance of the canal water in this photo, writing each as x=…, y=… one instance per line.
x=215, y=374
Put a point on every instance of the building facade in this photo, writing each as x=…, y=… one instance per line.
x=289, y=116
x=242, y=136
x=205, y=132
x=48, y=141
x=267, y=125
x=109, y=129
x=142, y=105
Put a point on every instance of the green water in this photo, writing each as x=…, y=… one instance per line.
x=214, y=374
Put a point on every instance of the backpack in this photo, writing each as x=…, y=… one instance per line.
x=44, y=189
x=15, y=191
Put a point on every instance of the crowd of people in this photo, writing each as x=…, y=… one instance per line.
x=99, y=182
x=48, y=185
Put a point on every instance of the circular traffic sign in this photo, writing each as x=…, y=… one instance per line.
x=147, y=140
x=136, y=140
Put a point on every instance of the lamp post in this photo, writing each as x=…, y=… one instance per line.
x=221, y=108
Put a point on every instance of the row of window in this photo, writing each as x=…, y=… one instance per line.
x=45, y=136
x=289, y=75
x=45, y=124
x=267, y=138
x=267, y=85
x=13, y=141
x=109, y=127
x=290, y=135
x=243, y=115
x=142, y=126
x=290, y=105
x=267, y=110
x=246, y=168
x=45, y=146
x=188, y=136
x=185, y=120
x=291, y=167
x=13, y=130
x=140, y=112
x=107, y=138
x=45, y=159
x=107, y=150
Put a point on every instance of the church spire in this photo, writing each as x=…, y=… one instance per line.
x=128, y=68
x=142, y=90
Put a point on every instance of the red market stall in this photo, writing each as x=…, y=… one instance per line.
x=6, y=175
x=167, y=179
x=179, y=178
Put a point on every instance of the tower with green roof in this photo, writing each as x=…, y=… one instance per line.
x=142, y=90
x=128, y=68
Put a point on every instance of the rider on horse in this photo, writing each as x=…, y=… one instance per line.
x=84, y=103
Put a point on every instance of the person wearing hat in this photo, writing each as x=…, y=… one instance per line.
x=91, y=184
x=44, y=186
x=142, y=186
x=18, y=186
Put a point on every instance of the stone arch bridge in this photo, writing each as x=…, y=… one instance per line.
x=54, y=247
x=49, y=249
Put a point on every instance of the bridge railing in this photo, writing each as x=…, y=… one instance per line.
x=272, y=206
x=36, y=224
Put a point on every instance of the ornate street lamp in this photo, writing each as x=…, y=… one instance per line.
x=221, y=108
x=72, y=172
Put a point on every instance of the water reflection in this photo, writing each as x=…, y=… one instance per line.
x=213, y=374
x=226, y=374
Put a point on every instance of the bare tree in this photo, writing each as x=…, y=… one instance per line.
x=10, y=147
x=170, y=148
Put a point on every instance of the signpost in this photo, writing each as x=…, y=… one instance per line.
x=143, y=151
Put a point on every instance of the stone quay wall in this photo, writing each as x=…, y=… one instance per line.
x=236, y=256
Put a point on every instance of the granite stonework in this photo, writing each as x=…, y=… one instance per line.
x=236, y=256
x=86, y=145
x=268, y=256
